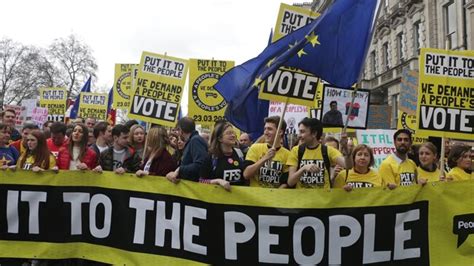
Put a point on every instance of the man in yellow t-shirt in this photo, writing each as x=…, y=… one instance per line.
x=266, y=166
x=308, y=169
x=397, y=169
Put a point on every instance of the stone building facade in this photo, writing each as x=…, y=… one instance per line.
x=402, y=28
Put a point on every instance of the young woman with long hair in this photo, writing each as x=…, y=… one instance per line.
x=137, y=139
x=157, y=161
x=460, y=162
x=361, y=174
x=77, y=155
x=427, y=170
x=224, y=165
x=37, y=156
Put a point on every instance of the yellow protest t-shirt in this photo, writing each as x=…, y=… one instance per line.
x=458, y=174
x=313, y=156
x=395, y=171
x=271, y=173
x=429, y=176
x=30, y=160
x=357, y=180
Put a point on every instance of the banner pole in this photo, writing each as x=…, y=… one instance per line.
x=441, y=157
x=147, y=128
x=280, y=123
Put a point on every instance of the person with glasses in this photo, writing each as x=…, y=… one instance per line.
x=224, y=164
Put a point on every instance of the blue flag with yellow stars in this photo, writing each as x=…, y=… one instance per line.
x=75, y=108
x=333, y=47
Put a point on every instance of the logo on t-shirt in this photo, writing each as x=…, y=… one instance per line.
x=360, y=184
x=27, y=166
x=407, y=179
x=232, y=175
x=270, y=174
x=309, y=179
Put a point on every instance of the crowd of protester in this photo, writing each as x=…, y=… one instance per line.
x=218, y=157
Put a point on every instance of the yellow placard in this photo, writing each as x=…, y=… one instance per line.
x=93, y=105
x=122, y=85
x=299, y=87
x=446, y=93
x=408, y=121
x=54, y=99
x=291, y=18
x=293, y=84
x=206, y=105
x=158, y=89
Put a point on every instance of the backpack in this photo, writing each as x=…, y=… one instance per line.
x=324, y=151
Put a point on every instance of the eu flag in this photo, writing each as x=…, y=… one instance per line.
x=332, y=47
x=75, y=108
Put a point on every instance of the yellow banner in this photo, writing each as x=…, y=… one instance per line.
x=54, y=99
x=147, y=221
x=206, y=105
x=446, y=93
x=291, y=18
x=122, y=85
x=93, y=105
x=158, y=89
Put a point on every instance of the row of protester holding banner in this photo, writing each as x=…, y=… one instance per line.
x=267, y=164
x=224, y=165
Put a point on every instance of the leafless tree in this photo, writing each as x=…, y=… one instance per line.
x=23, y=69
x=74, y=59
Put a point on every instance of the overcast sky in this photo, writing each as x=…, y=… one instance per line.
x=118, y=31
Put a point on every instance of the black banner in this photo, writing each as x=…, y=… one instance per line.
x=217, y=234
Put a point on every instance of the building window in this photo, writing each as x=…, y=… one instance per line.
x=373, y=69
x=394, y=111
x=417, y=38
x=401, y=47
x=386, y=56
x=450, y=20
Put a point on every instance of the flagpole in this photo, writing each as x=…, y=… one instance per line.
x=441, y=158
x=147, y=125
x=280, y=123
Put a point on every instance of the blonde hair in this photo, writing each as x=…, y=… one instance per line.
x=156, y=140
x=132, y=130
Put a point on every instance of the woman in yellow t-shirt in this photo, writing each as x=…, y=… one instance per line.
x=37, y=157
x=361, y=175
x=459, y=159
x=428, y=170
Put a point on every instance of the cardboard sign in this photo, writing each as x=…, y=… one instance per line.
x=122, y=85
x=381, y=142
x=205, y=104
x=158, y=89
x=343, y=98
x=446, y=93
x=291, y=18
x=93, y=105
x=54, y=99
